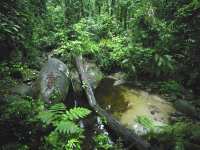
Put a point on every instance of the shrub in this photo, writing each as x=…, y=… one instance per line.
x=171, y=87
x=17, y=120
x=66, y=133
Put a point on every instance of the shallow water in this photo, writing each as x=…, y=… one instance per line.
x=127, y=103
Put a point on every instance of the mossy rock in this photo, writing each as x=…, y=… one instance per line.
x=54, y=76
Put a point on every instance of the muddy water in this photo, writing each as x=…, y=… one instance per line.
x=127, y=103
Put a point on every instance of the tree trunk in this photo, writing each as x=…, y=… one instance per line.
x=112, y=7
x=128, y=135
x=125, y=17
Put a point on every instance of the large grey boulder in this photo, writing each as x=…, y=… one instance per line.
x=76, y=83
x=94, y=73
x=53, y=83
x=94, y=76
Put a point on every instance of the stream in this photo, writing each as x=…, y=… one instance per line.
x=127, y=103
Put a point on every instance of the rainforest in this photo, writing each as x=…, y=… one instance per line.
x=99, y=75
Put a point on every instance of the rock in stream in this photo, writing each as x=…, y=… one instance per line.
x=94, y=76
x=53, y=83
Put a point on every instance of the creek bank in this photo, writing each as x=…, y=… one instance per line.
x=127, y=103
x=183, y=102
x=26, y=90
x=187, y=108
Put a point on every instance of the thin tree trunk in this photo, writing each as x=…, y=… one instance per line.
x=112, y=7
x=82, y=9
x=125, y=17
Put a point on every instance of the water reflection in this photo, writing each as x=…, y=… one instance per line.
x=111, y=97
x=126, y=103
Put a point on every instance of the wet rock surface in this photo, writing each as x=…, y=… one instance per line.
x=94, y=73
x=53, y=81
x=94, y=76
x=187, y=108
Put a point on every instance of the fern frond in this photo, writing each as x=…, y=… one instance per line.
x=146, y=122
x=57, y=108
x=68, y=127
x=73, y=144
x=76, y=113
x=46, y=117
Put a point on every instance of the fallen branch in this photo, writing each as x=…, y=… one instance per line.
x=128, y=135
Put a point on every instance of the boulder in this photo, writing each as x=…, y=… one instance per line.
x=94, y=76
x=186, y=108
x=53, y=83
x=76, y=83
x=22, y=90
x=120, y=78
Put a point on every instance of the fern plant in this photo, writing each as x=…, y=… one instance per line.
x=66, y=133
x=102, y=141
x=174, y=135
x=149, y=124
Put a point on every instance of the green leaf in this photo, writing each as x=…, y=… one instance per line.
x=8, y=30
x=77, y=113
x=73, y=144
x=68, y=127
x=57, y=108
x=46, y=117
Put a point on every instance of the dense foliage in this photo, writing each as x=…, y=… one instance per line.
x=155, y=42
x=66, y=134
